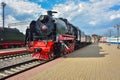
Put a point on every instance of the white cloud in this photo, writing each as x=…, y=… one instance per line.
x=93, y=23
x=10, y=19
x=20, y=8
x=13, y=23
x=97, y=11
x=24, y=7
x=68, y=10
x=86, y=14
x=114, y=16
x=94, y=0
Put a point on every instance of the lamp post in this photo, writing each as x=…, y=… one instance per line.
x=3, y=16
x=117, y=27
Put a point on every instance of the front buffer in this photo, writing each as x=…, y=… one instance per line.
x=42, y=50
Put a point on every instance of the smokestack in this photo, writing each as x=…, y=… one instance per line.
x=51, y=12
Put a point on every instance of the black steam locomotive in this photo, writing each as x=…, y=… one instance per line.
x=49, y=37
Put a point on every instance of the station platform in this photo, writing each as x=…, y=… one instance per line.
x=94, y=62
x=4, y=52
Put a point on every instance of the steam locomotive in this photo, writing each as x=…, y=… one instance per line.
x=49, y=37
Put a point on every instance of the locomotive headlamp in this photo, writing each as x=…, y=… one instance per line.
x=37, y=49
x=44, y=18
x=41, y=18
x=43, y=28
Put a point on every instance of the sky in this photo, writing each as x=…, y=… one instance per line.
x=91, y=16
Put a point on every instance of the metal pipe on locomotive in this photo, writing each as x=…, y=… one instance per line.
x=50, y=37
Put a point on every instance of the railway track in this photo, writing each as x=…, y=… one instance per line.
x=18, y=68
x=11, y=56
x=14, y=59
x=10, y=70
x=13, y=64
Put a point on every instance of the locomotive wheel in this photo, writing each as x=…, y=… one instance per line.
x=58, y=50
x=51, y=55
x=61, y=54
x=62, y=49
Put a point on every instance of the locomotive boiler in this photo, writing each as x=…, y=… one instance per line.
x=49, y=37
x=48, y=27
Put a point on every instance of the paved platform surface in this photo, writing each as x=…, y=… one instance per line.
x=5, y=52
x=94, y=62
x=12, y=50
